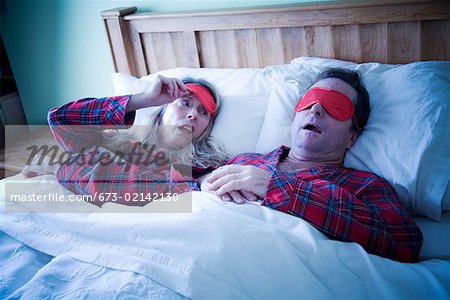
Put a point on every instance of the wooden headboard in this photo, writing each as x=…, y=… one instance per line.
x=383, y=31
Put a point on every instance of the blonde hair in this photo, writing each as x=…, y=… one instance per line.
x=204, y=151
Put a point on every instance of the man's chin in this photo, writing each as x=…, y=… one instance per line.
x=307, y=147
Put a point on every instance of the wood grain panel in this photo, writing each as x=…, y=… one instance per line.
x=247, y=48
x=165, y=50
x=191, y=49
x=270, y=46
x=228, y=48
x=153, y=64
x=374, y=42
x=435, y=33
x=208, y=52
x=347, y=42
x=404, y=42
x=293, y=42
x=218, y=49
x=319, y=41
x=138, y=53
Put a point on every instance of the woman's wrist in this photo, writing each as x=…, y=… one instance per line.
x=135, y=102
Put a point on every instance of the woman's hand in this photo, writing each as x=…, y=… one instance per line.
x=238, y=183
x=40, y=165
x=162, y=91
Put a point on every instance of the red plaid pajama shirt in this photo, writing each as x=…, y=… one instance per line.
x=344, y=204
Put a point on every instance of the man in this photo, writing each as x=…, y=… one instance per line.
x=309, y=181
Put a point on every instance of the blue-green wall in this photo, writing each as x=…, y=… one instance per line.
x=59, y=51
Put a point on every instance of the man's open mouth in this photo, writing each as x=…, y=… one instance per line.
x=312, y=127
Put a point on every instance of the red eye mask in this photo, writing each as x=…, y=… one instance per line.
x=338, y=105
x=204, y=96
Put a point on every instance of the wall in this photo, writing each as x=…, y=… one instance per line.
x=59, y=51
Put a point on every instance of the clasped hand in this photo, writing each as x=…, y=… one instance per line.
x=237, y=183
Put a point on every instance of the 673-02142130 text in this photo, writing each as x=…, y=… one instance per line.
x=97, y=197
x=135, y=197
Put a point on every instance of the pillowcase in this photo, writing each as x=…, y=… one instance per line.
x=406, y=138
x=275, y=130
x=244, y=96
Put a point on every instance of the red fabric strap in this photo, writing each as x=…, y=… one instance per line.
x=205, y=97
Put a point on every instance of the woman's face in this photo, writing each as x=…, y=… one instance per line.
x=184, y=120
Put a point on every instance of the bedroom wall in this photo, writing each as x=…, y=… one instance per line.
x=59, y=51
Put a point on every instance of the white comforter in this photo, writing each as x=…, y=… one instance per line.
x=220, y=250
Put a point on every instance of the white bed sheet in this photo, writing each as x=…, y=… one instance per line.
x=220, y=250
x=436, y=237
x=27, y=273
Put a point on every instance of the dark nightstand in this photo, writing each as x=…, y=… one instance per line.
x=11, y=113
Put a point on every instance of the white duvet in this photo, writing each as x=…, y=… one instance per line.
x=220, y=250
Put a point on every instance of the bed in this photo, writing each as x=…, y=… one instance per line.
x=262, y=58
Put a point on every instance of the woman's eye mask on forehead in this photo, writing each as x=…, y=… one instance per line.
x=204, y=96
x=338, y=105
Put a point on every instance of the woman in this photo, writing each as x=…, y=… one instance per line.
x=154, y=159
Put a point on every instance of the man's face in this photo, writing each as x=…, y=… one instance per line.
x=315, y=134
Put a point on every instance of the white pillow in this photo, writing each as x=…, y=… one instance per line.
x=244, y=94
x=406, y=138
x=275, y=130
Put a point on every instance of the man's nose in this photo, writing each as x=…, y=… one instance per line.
x=317, y=109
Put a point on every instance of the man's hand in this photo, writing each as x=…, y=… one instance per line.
x=238, y=197
x=238, y=183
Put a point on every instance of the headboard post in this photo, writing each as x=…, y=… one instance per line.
x=120, y=39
